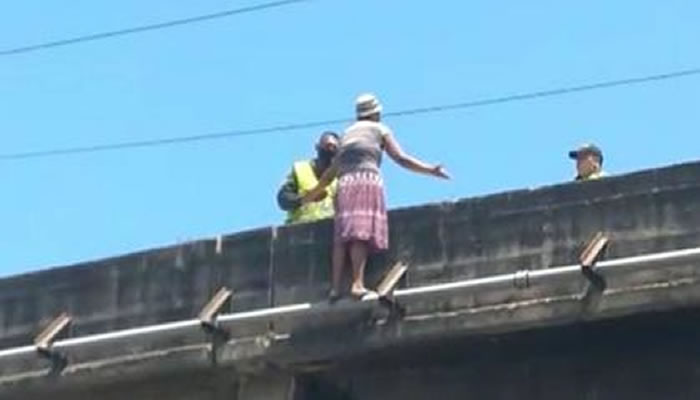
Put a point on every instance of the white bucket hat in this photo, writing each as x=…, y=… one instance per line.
x=366, y=105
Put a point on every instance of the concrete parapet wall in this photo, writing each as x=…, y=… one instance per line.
x=643, y=212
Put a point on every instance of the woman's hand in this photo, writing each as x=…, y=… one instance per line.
x=314, y=196
x=440, y=172
x=319, y=192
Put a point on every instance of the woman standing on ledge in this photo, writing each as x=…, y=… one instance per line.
x=361, y=224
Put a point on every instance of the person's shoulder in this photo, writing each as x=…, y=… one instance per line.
x=353, y=127
x=379, y=127
x=384, y=128
x=600, y=174
x=593, y=177
x=373, y=128
x=296, y=165
x=299, y=163
x=361, y=124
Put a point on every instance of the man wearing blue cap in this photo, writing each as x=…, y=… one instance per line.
x=589, y=162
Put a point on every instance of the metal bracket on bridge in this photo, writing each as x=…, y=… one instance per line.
x=44, y=343
x=521, y=279
x=207, y=316
x=590, y=256
x=386, y=287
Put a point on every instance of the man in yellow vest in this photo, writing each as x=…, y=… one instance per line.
x=303, y=178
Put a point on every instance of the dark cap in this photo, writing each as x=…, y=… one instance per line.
x=329, y=133
x=587, y=149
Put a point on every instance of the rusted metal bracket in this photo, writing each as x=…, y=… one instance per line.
x=521, y=279
x=44, y=342
x=590, y=255
x=207, y=316
x=386, y=287
x=593, y=250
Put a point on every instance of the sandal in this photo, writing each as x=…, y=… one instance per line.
x=333, y=296
x=362, y=294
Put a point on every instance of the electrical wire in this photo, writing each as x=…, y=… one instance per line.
x=323, y=123
x=146, y=28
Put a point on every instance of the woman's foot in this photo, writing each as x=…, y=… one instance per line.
x=333, y=295
x=361, y=293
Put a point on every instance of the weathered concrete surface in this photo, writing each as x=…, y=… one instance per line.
x=643, y=212
x=654, y=356
x=646, y=357
x=322, y=348
x=272, y=386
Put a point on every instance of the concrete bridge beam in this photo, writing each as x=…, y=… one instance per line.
x=268, y=387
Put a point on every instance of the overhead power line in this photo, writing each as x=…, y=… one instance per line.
x=145, y=28
x=549, y=93
x=315, y=124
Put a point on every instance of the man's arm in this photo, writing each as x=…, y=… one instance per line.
x=288, y=197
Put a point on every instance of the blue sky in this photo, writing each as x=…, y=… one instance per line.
x=308, y=62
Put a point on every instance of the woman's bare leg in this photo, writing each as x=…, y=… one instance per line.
x=339, y=253
x=358, y=256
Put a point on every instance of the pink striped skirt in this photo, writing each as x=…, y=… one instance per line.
x=360, y=210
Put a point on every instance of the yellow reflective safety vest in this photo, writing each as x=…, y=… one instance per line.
x=306, y=181
x=592, y=177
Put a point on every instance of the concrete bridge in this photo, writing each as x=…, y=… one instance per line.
x=495, y=306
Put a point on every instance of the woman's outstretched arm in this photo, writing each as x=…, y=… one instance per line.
x=393, y=148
